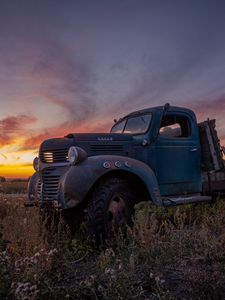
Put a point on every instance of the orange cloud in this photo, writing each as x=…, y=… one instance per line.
x=34, y=141
x=12, y=126
x=215, y=107
x=222, y=140
x=62, y=130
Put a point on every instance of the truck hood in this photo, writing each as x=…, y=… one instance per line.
x=99, y=137
x=56, y=150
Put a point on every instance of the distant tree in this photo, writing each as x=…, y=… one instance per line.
x=2, y=179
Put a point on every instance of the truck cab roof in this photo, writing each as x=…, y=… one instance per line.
x=160, y=108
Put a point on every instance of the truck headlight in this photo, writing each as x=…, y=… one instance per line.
x=76, y=155
x=73, y=155
x=36, y=164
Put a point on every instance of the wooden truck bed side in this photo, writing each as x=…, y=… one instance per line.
x=213, y=167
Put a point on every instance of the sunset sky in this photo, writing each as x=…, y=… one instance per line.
x=75, y=65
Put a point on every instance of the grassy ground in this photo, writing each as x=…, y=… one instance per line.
x=13, y=187
x=176, y=253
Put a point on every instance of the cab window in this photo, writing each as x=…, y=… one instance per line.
x=175, y=127
x=119, y=127
x=133, y=125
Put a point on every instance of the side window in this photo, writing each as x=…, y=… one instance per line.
x=175, y=127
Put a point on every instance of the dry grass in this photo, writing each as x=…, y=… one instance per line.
x=22, y=227
x=176, y=253
x=13, y=187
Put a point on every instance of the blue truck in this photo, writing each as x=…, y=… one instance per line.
x=160, y=154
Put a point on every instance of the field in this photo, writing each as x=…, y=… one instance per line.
x=13, y=187
x=175, y=253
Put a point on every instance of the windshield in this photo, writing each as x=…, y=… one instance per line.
x=134, y=125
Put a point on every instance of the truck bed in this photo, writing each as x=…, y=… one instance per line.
x=212, y=157
x=212, y=163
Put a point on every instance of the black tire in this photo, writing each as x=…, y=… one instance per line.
x=74, y=217
x=110, y=208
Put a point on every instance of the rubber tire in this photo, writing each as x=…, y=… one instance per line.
x=98, y=207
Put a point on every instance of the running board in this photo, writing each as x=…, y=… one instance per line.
x=185, y=200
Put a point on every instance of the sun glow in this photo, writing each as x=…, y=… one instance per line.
x=16, y=171
x=16, y=163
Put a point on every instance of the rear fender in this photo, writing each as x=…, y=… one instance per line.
x=79, y=179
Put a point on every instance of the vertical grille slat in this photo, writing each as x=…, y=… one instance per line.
x=39, y=190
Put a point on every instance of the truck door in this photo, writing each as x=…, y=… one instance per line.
x=177, y=151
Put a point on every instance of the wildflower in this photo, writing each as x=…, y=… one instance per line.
x=109, y=271
x=109, y=252
x=33, y=288
x=26, y=259
x=52, y=252
x=100, y=288
x=37, y=254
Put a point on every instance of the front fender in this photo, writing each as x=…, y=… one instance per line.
x=79, y=179
x=32, y=190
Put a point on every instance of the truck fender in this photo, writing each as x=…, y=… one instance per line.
x=79, y=179
x=32, y=189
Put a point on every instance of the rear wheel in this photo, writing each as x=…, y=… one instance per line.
x=110, y=209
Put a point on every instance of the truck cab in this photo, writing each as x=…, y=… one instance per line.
x=169, y=143
x=159, y=154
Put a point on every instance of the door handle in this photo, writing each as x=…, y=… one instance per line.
x=194, y=150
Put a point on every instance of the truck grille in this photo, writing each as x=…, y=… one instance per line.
x=39, y=190
x=54, y=156
x=50, y=185
x=106, y=148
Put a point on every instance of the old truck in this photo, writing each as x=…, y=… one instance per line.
x=159, y=154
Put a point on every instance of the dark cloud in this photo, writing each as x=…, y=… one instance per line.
x=160, y=75
x=62, y=80
x=171, y=43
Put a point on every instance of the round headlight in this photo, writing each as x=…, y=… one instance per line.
x=73, y=155
x=36, y=164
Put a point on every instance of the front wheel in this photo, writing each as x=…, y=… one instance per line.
x=110, y=208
